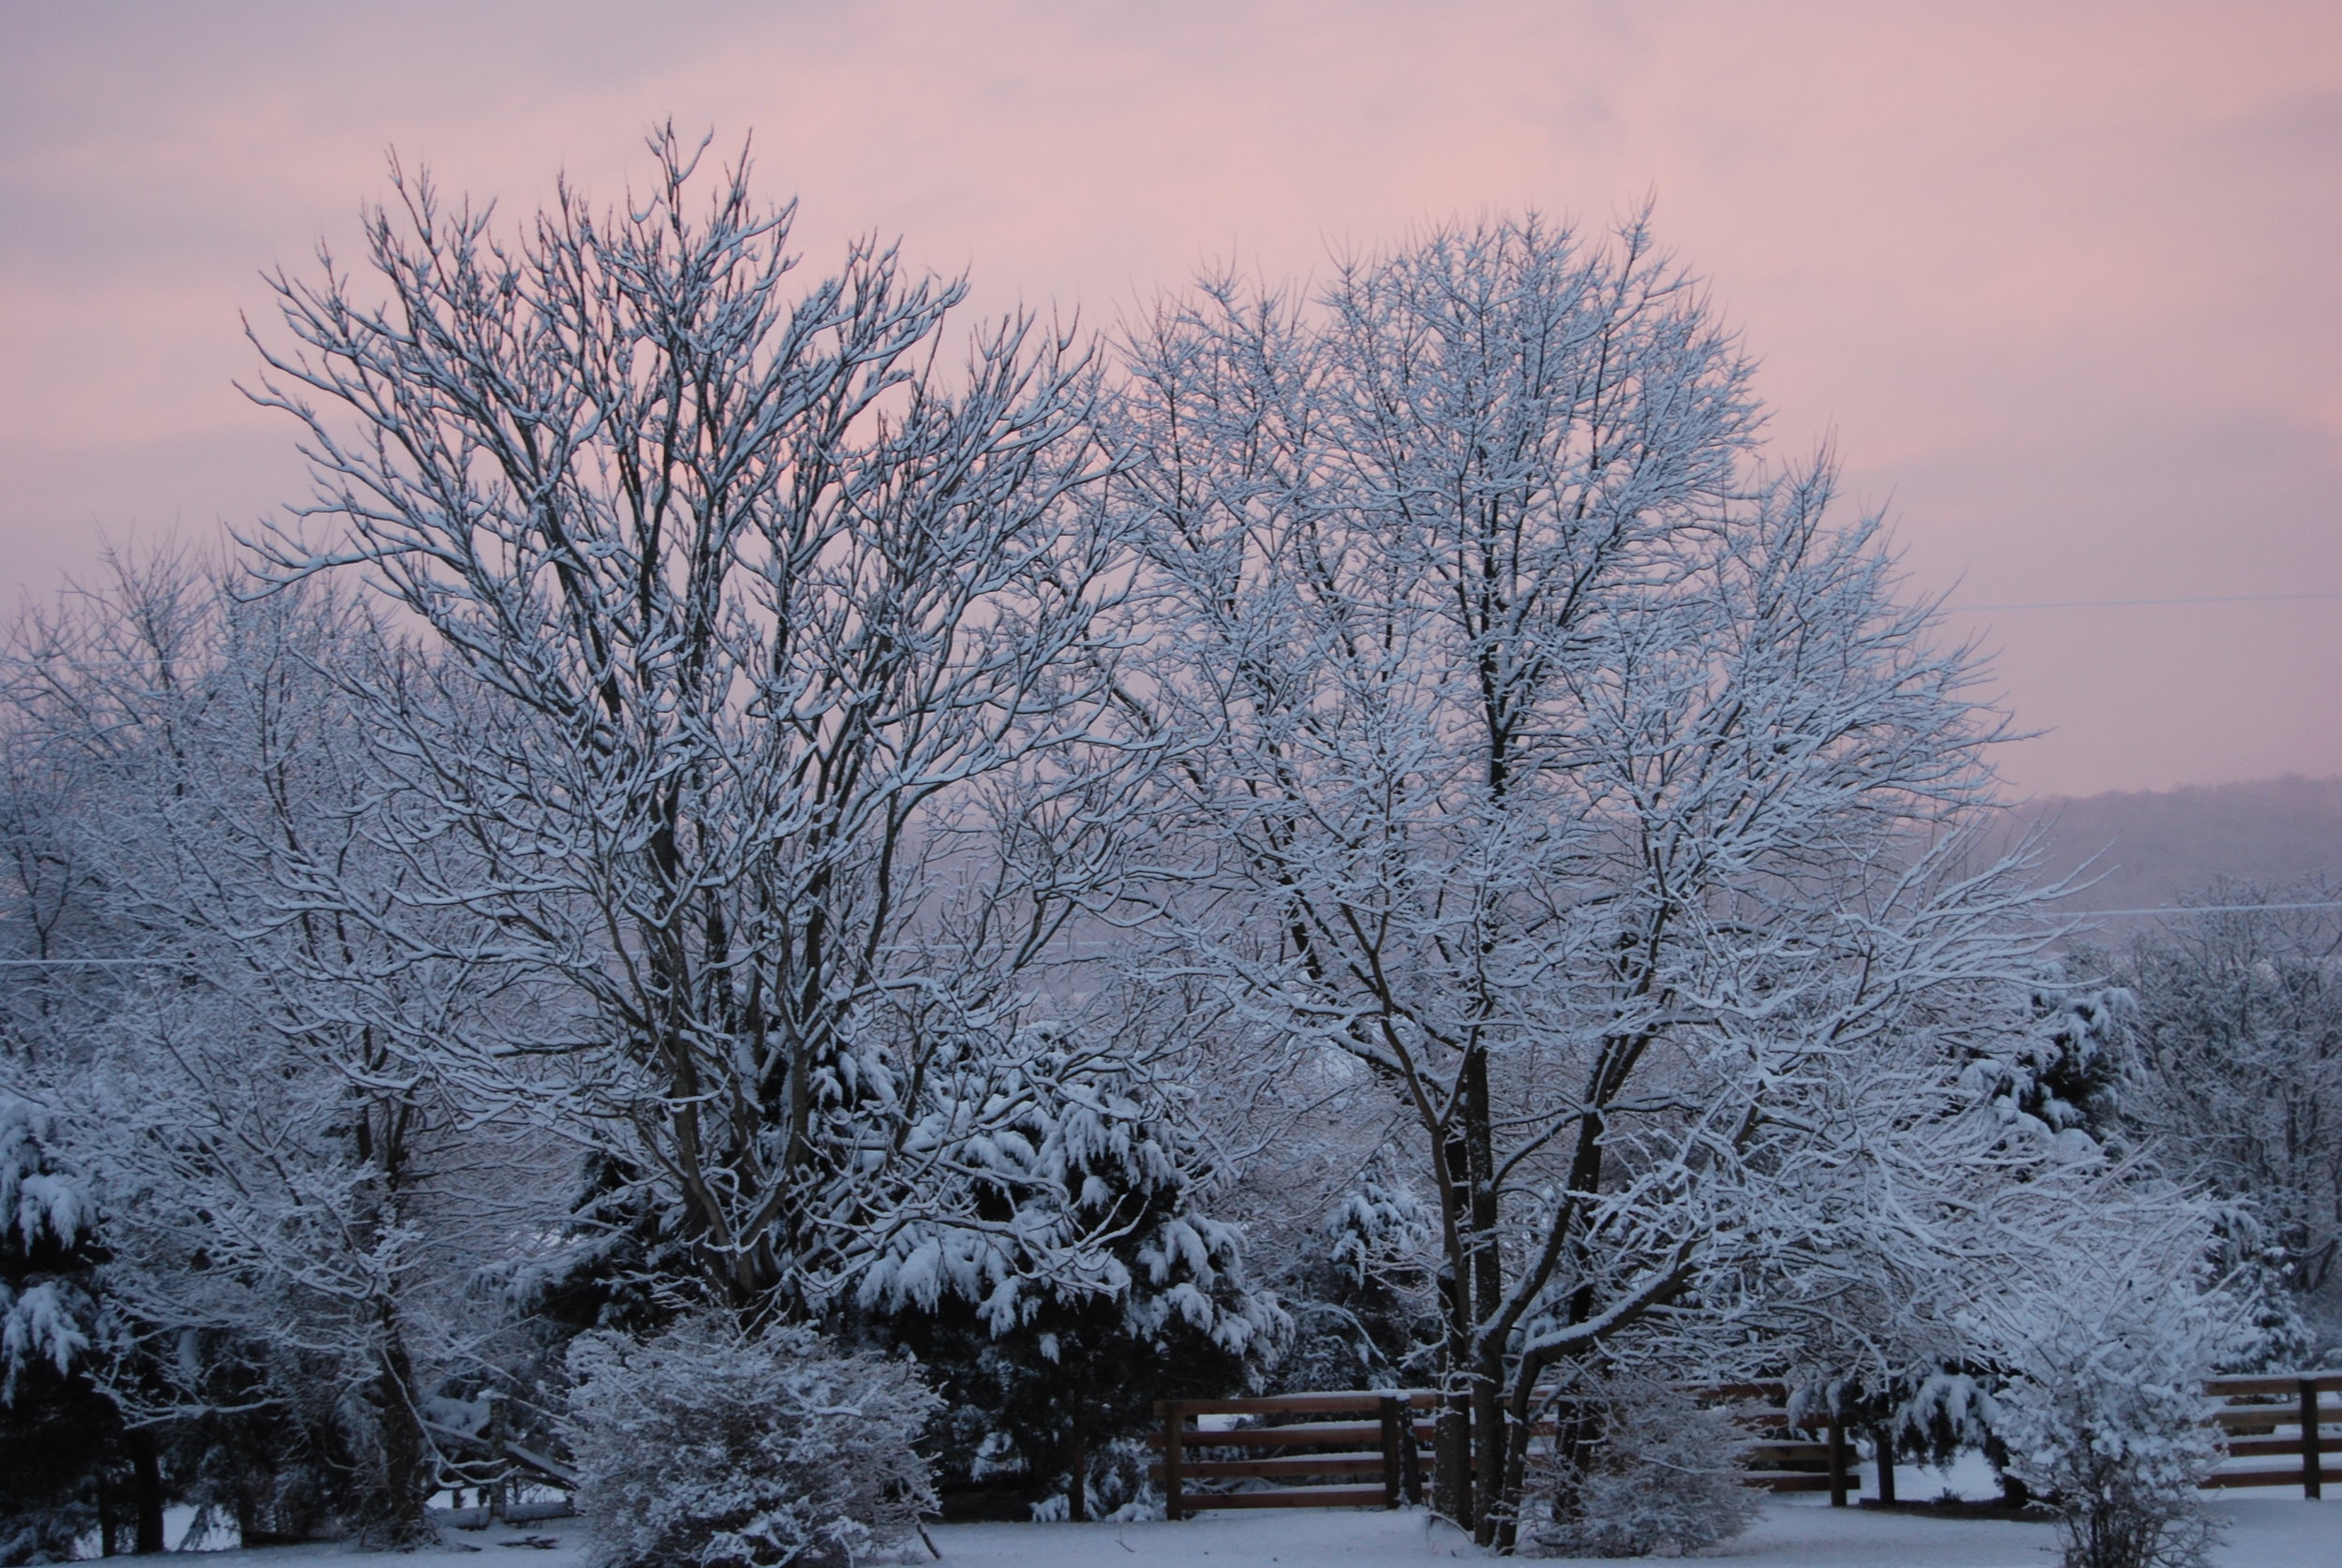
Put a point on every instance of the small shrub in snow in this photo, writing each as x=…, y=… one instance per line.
x=707, y=1447
x=2105, y=1418
x=1661, y=1478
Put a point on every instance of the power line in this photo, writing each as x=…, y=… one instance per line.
x=2121, y=603
x=2217, y=909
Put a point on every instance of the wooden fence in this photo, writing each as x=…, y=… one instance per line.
x=1372, y=1449
x=2277, y=1418
x=1358, y=1450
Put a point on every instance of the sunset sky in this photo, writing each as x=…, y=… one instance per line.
x=2065, y=280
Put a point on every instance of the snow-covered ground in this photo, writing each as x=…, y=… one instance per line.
x=2262, y=1532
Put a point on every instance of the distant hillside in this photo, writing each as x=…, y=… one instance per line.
x=2157, y=845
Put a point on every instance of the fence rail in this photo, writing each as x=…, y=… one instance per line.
x=1296, y=1452
x=2277, y=1418
x=1323, y=1464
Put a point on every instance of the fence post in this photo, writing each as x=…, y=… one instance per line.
x=1173, y=1425
x=1883, y=1442
x=1410, y=1454
x=2313, y=1482
x=1837, y=1460
x=1390, y=1451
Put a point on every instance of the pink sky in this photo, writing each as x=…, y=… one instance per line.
x=2062, y=278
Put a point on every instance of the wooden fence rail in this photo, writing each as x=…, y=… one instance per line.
x=2273, y=1418
x=1371, y=1448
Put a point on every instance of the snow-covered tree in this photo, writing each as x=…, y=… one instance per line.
x=62, y=1440
x=73, y=1460
x=2063, y=1073
x=297, y=1202
x=2236, y=1041
x=1572, y=775
x=2037, y=1142
x=1043, y=1369
x=758, y=654
x=1358, y=1286
x=680, y=896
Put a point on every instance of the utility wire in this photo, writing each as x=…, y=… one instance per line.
x=2216, y=909
x=2121, y=603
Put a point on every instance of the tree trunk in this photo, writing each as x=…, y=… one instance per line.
x=1076, y=1500
x=146, y=1490
x=1521, y=1409
x=498, y=1497
x=1487, y=1288
x=407, y=1472
x=1451, y=1459
x=249, y=1528
x=1489, y=1444
x=1451, y=1427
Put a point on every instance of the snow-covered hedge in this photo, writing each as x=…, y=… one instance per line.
x=707, y=1447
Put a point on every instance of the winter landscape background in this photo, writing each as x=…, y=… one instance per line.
x=758, y=889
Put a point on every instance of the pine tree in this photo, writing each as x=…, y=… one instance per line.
x=1044, y=1374
x=73, y=1465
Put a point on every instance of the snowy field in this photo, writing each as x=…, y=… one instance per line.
x=2262, y=1532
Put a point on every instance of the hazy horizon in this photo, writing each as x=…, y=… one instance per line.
x=2131, y=849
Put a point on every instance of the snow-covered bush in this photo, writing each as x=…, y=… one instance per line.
x=2105, y=1413
x=1380, y=1227
x=1657, y=1475
x=708, y=1447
